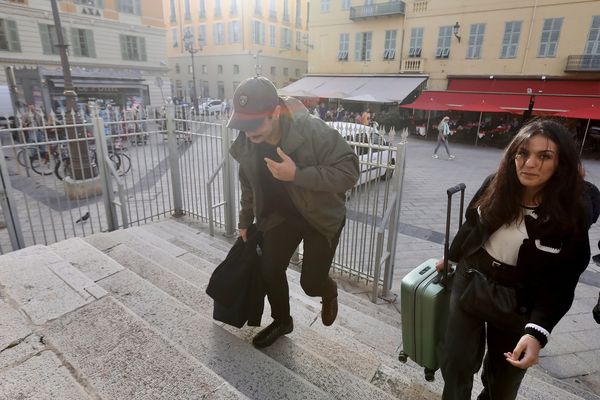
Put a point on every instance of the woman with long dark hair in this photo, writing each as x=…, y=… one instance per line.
x=519, y=254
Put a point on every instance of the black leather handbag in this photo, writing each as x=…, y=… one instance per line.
x=498, y=305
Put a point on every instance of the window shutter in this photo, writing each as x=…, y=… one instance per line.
x=123, y=41
x=13, y=36
x=119, y=6
x=46, y=45
x=76, y=44
x=89, y=38
x=357, y=46
x=137, y=7
x=142, y=50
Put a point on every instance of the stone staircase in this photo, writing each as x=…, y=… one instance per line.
x=124, y=315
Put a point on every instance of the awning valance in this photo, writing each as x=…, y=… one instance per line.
x=515, y=103
x=376, y=89
x=521, y=86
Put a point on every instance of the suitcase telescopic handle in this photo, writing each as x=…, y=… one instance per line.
x=450, y=192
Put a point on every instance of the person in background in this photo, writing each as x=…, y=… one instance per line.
x=443, y=133
x=294, y=171
x=525, y=236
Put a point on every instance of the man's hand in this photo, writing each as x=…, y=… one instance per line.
x=244, y=234
x=285, y=170
x=439, y=265
x=528, y=348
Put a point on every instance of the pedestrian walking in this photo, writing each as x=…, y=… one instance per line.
x=443, y=133
x=520, y=254
x=294, y=170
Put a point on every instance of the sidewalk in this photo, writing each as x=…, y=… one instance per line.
x=573, y=352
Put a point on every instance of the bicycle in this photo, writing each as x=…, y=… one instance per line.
x=121, y=162
x=41, y=161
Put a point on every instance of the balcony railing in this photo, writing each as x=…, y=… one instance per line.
x=391, y=8
x=583, y=63
x=413, y=65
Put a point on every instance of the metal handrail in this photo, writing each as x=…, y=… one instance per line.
x=121, y=189
x=211, y=207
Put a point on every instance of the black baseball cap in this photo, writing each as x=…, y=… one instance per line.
x=253, y=101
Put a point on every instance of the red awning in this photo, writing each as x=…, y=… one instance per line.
x=583, y=113
x=518, y=86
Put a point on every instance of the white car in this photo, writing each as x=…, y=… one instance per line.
x=211, y=107
x=376, y=160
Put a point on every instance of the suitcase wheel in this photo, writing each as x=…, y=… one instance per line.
x=429, y=375
x=402, y=357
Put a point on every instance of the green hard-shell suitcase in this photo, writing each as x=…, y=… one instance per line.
x=424, y=300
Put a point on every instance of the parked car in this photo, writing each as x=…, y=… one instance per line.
x=211, y=107
x=375, y=163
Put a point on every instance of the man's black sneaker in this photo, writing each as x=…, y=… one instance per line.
x=271, y=333
x=329, y=308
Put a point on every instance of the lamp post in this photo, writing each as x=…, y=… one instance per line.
x=80, y=161
x=188, y=40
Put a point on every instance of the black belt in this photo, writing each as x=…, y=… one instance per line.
x=504, y=274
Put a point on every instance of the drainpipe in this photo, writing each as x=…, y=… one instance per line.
x=529, y=36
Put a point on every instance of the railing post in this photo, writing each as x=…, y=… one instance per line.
x=228, y=182
x=9, y=207
x=397, y=183
x=105, y=177
x=174, y=161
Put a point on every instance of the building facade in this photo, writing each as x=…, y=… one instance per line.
x=534, y=42
x=231, y=40
x=116, y=51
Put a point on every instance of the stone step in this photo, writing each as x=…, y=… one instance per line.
x=43, y=285
x=121, y=357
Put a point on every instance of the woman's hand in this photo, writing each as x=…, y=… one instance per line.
x=528, y=348
x=244, y=234
x=439, y=265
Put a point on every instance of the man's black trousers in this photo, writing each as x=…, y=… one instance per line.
x=279, y=245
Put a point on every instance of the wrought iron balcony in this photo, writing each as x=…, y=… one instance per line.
x=392, y=8
x=583, y=63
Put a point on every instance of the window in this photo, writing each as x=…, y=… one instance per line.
x=258, y=32
x=202, y=8
x=234, y=32
x=298, y=13
x=172, y=13
x=389, y=52
x=49, y=39
x=219, y=34
x=444, y=40
x=344, y=46
x=593, y=42
x=175, y=36
x=286, y=11
x=286, y=38
x=272, y=10
x=179, y=89
x=325, y=6
x=89, y=3
x=258, y=8
x=188, y=13
x=416, y=42
x=346, y=4
x=298, y=40
x=297, y=72
x=286, y=71
x=177, y=69
x=236, y=69
x=202, y=35
x=221, y=90
x=233, y=8
x=133, y=48
x=130, y=7
x=510, y=41
x=188, y=31
x=362, y=50
x=273, y=71
x=82, y=43
x=9, y=36
x=272, y=31
x=549, y=39
x=217, y=5
x=219, y=69
x=475, y=40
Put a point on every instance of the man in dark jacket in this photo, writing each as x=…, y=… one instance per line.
x=294, y=172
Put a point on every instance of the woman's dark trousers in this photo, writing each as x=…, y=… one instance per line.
x=463, y=349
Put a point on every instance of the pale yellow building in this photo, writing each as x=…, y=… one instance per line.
x=116, y=50
x=521, y=47
x=233, y=40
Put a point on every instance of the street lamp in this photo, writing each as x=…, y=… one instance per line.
x=188, y=40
